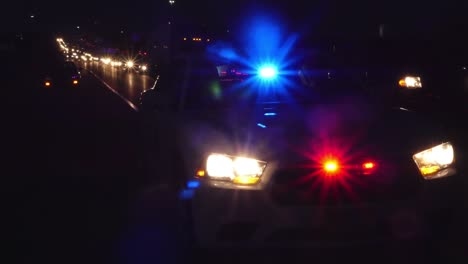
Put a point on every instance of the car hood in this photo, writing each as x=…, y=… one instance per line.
x=296, y=132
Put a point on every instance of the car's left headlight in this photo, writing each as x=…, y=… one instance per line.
x=239, y=170
x=436, y=162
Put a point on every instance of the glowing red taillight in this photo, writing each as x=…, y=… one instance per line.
x=368, y=167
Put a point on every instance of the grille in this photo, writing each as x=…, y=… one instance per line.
x=300, y=186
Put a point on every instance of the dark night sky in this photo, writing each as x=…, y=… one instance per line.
x=423, y=16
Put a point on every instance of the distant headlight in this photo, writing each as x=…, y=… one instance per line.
x=239, y=170
x=436, y=162
x=129, y=64
x=411, y=82
x=144, y=68
x=116, y=63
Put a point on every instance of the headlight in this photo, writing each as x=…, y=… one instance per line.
x=129, y=64
x=144, y=68
x=411, y=82
x=239, y=170
x=436, y=162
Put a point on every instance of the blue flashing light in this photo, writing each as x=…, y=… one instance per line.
x=261, y=125
x=267, y=72
x=193, y=184
x=186, y=194
x=270, y=114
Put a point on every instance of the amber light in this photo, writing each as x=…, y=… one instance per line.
x=200, y=173
x=246, y=180
x=47, y=84
x=75, y=81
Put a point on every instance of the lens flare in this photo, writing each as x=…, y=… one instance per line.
x=331, y=166
x=265, y=58
x=267, y=72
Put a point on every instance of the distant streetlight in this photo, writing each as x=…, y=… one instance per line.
x=121, y=31
x=77, y=27
x=31, y=16
x=171, y=2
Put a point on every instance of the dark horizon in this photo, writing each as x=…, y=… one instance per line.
x=430, y=18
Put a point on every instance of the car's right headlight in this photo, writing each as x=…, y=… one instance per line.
x=239, y=170
x=436, y=162
x=410, y=82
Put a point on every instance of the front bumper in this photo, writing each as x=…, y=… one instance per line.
x=251, y=218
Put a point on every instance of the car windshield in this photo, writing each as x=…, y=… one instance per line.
x=322, y=73
x=207, y=90
x=320, y=70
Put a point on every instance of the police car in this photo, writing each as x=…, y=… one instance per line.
x=296, y=156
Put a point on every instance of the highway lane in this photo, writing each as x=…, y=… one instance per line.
x=128, y=84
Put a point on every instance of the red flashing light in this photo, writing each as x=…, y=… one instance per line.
x=368, y=167
x=331, y=166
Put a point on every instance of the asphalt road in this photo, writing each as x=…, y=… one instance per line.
x=128, y=84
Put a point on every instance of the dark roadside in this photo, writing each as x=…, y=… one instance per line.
x=72, y=163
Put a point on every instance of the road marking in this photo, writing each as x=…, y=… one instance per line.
x=132, y=105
